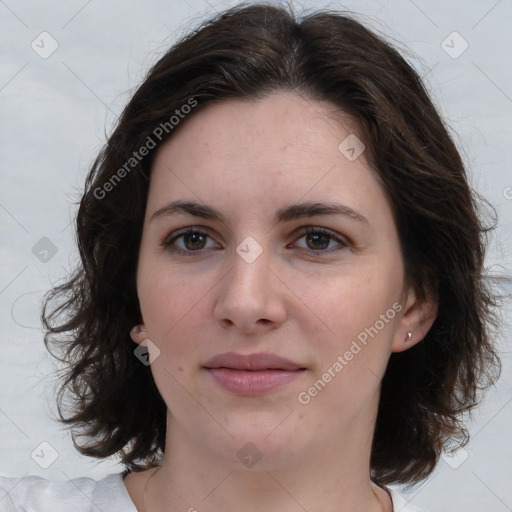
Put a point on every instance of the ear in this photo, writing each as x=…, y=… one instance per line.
x=138, y=334
x=417, y=319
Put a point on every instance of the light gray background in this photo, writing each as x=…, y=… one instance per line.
x=54, y=114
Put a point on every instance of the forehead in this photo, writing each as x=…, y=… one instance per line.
x=282, y=121
x=282, y=148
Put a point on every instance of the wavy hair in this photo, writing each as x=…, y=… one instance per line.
x=248, y=52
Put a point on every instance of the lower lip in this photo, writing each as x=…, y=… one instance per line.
x=245, y=382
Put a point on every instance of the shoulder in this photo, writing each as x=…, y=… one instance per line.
x=400, y=504
x=36, y=494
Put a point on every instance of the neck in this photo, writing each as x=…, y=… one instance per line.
x=329, y=477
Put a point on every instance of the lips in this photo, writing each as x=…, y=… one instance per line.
x=254, y=362
x=252, y=374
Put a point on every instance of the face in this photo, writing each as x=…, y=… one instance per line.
x=270, y=279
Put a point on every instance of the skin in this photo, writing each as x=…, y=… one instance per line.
x=305, y=298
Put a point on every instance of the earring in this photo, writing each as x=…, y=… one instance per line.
x=409, y=336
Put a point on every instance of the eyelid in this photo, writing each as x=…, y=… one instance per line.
x=170, y=238
x=342, y=241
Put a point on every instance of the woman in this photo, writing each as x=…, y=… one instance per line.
x=280, y=303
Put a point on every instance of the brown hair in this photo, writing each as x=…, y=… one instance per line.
x=248, y=52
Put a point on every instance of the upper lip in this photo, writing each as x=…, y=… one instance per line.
x=261, y=361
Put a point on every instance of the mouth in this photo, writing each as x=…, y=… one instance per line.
x=252, y=374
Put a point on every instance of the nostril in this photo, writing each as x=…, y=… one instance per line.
x=226, y=322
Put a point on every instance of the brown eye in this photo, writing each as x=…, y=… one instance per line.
x=317, y=241
x=320, y=241
x=194, y=241
x=190, y=242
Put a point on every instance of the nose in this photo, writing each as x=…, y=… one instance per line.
x=251, y=297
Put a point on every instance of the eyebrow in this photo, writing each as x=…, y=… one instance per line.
x=299, y=211
x=287, y=213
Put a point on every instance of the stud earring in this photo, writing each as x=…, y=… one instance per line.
x=409, y=336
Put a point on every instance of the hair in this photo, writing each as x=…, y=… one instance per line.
x=248, y=52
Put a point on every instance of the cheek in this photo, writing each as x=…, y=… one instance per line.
x=356, y=314
x=354, y=298
x=352, y=358
x=173, y=308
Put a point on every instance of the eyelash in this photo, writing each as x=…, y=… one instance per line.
x=170, y=240
x=322, y=231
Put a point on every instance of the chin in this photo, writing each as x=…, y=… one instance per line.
x=259, y=441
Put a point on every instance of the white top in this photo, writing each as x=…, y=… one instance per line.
x=36, y=494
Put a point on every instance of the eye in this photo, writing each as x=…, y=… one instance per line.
x=320, y=240
x=189, y=241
